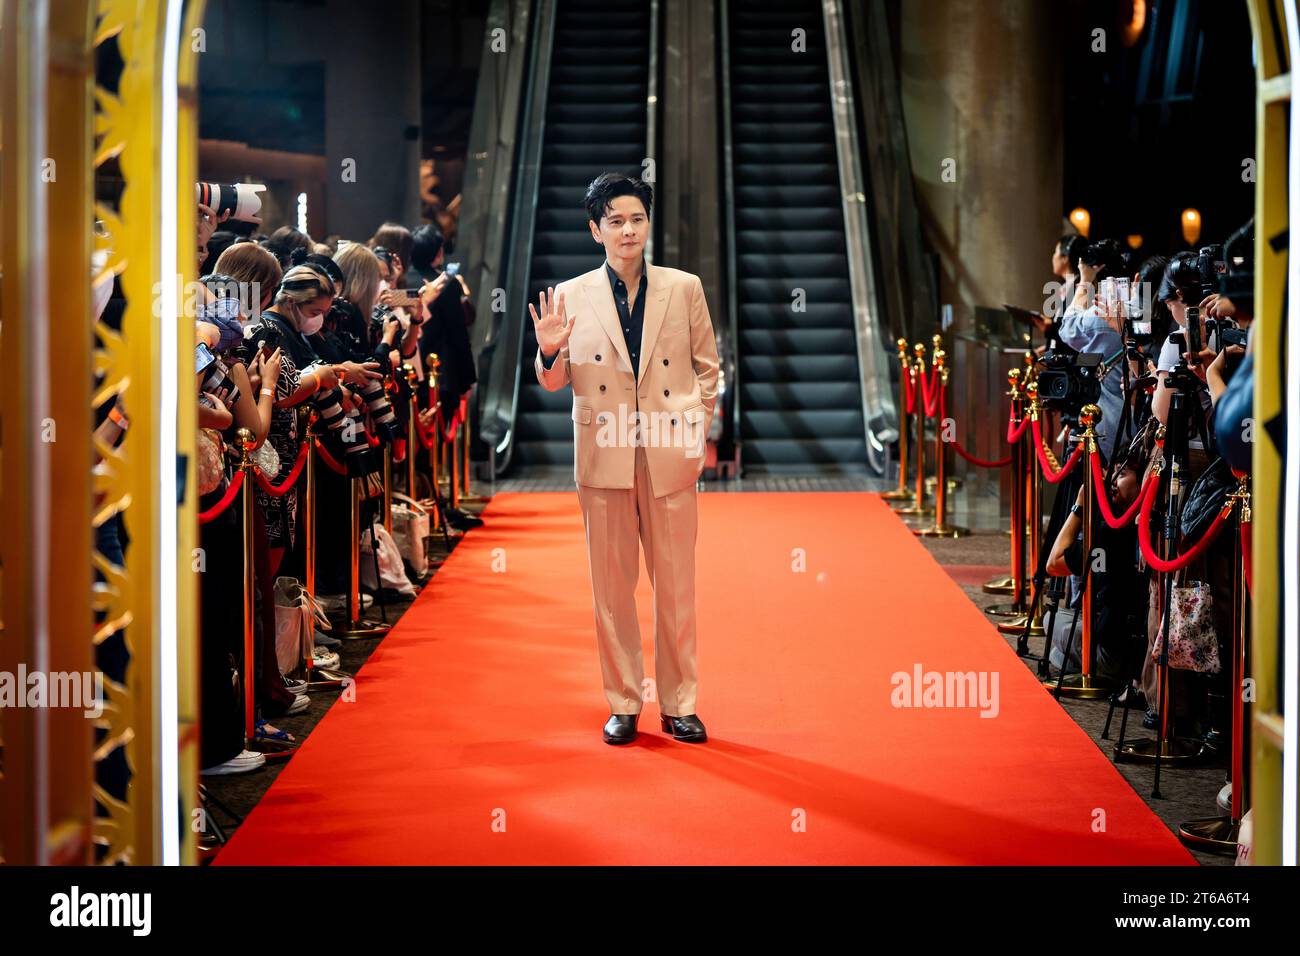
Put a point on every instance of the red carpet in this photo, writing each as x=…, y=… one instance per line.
x=475, y=734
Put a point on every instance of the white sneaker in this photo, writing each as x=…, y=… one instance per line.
x=300, y=703
x=295, y=686
x=323, y=658
x=245, y=762
x=1224, y=799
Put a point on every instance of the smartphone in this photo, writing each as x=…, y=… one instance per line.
x=203, y=357
x=453, y=268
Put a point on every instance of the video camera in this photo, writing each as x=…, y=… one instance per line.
x=1068, y=382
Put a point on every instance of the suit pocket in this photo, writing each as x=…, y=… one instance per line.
x=582, y=414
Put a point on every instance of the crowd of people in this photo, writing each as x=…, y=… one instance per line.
x=1175, y=382
x=295, y=336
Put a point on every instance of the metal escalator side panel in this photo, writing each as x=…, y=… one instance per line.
x=879, y=410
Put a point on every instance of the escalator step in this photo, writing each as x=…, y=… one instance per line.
x=796, y=266
x=819, y=423
x=779, y=316
x=574, y=133
x=779, y=289
x=802, y=197
x=804, y=451
x=782, y=132
x=788, y=174
x=776, y=396
x=767, y=216
x=781, y=242
x=794, y=341
x=794, y=368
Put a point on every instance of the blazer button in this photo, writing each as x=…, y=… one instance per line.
x=597, y=358
x=674, y=421
x=602, y=388
x=665, y=361
x=665, y=393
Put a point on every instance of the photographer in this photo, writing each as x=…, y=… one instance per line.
x=1088, y=329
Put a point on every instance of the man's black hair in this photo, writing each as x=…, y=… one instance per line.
x=605, y=187
x=1072, y=245
x=426, y=243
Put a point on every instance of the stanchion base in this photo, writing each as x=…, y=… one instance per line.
x=945, y=531
x=921, y=512
x=1211, y=835
x=1082, y=687
x=1003, y=585
x=1005, y=610
x=1017, y=624
x=1178, y=750
x=324, y=677
x=954, y=484
x=362, y=630
x=897, y=495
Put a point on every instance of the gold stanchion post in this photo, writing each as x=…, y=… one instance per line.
x=315, y=676
x=940, y=529
x=1010, y=584
x=1085, y=685
x=917, y=507
x=902, y=493
x=244, y=439
x=358, y=628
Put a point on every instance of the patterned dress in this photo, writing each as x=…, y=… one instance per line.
x=281, y=513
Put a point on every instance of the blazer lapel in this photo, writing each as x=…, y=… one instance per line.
x=656, y=307
x=600, y=298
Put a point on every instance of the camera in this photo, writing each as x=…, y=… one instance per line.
x=1068, y=382
x=241, y=200
x=257, y=336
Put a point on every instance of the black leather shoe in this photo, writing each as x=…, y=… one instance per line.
x=687, y=728
x=620, y=728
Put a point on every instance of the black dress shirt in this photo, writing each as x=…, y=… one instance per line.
x=631, y=321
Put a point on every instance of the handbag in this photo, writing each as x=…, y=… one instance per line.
x=1193, y=642
x=1205, y=499
x=297, y=615
x=410, y=528
x=209, y=460
x=267, y=460
x=391, y=572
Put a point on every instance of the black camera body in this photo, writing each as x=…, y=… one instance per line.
x=257, y=336
x=1069, y=382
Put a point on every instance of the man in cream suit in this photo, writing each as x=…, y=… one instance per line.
x=636, y=343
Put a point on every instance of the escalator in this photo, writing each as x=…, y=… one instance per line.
x=595, y=121
x=808, y=372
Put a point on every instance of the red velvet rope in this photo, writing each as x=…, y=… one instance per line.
x=909, y=390
x=1182, y=561
x=1016, y=432
x=326, y=457
x=930, y=392
x=943, y=417
x=1051, y=476
x=276, y=491
x=448, y=431
x=235, y=484
x=1103, y=498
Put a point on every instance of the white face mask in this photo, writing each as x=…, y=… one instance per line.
x=310, y=326
x=383, y=286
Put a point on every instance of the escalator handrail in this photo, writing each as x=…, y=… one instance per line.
x=729, y=201
x=879, y=410
x=501, y=408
